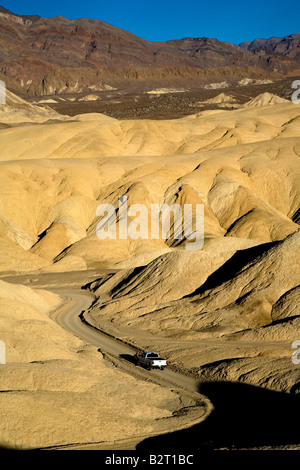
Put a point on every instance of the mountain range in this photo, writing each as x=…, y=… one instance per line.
x=35, y=50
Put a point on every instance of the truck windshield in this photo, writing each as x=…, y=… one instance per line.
x=153, y=356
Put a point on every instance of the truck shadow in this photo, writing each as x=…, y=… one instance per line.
x=128, y=358
x=244, y=416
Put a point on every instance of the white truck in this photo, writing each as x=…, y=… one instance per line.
x=150, y=360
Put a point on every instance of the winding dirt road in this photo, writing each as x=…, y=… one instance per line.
x=67, y=316
x=228, y=402
x=195, y=407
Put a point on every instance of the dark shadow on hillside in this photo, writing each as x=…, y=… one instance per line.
x=244, y=416
x=232, y=266
x=124, y=283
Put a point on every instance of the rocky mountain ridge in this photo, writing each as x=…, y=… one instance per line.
x=33, y=49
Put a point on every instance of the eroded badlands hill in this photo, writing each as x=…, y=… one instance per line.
x=226, y=312
x=242, y=165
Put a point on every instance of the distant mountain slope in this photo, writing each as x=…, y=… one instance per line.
x=32, y=47
x=213, y=53
x=288, y=46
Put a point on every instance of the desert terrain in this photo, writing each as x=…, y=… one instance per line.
x=227, y=313
x=206, y=123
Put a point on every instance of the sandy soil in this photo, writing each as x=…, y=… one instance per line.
x=82, y=397
x=225, y=315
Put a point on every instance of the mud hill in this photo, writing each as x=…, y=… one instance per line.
x=266, y=98
x=74, y=164
x=52, y=393
x=234, y=317
x=226, y=312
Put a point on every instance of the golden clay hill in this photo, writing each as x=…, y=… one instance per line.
x=225, y=315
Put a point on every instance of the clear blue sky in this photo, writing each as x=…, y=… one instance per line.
x=161, y=20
